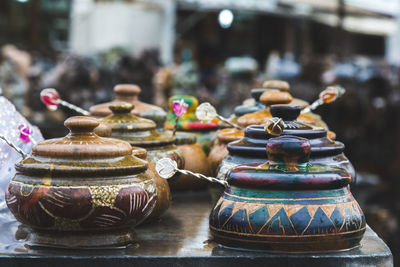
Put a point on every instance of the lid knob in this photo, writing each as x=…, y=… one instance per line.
x=81, y=124
x=289, y=152
x=285, y=112
x=127, y=90
x=121, y=107
x=276, y=84
x=275, y=97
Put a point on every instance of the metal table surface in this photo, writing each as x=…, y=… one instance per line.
x=180, y=238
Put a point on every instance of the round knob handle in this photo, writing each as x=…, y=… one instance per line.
x=276, y=84
x=289, y=151
x=81, y=124
x=126, y=90
x=275, y=97
x=121, y=107
x=285, y=112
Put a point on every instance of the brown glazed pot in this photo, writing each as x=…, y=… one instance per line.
x=220, y=149
x=142, y=133
x=130, y=93
x=81, y=190
x=195, y=161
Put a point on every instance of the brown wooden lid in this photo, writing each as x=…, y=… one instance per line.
x=230, y=134
x=124, y=93
x=137, y=131
x=82, y=151
x=275, y=97
x=276, y=84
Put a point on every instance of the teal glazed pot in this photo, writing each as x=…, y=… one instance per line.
x=257, y=106
x=288, y=204
x=252, y=148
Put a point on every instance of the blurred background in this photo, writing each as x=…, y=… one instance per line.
x=219, y=50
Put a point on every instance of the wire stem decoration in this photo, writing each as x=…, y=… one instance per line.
x=180, y=107
x=206, y=112
x=52, y=100
x=15, y=147
x=329, y=95
x=167, y=168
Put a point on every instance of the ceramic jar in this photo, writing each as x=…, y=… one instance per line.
x=142, y=133
x=130, y=93
x=251, y=148
x=287, y=204
x=255, y=106
x=195, y=161
x=220, y=147
x=205, y=132
x=81, y=190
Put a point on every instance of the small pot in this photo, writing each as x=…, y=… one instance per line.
x=287, y=204
x=81, y=190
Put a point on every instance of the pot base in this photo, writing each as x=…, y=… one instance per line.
x=112, y=238
x=283, y=244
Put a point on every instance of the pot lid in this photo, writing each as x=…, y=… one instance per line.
x=288, y=168
x=125, y=93
x=137, y=131
x=82, y=151
x=256, y=137
x=189, y=121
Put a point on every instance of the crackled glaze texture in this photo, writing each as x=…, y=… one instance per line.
x=72, y=189
x=288, y=204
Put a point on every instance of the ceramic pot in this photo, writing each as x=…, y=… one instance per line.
x=142, y=133
x=81, y=190
x=220, y=148
x=205, y=132
x=288, y=204
x=195, y=161
x=129, y=93
x=251, y=148
x=255, y=106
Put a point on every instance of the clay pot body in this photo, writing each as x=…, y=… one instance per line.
x=195, y=161
x=129, y=93
x=205, y=132
x=220, y=148
x=251, y=148
x=287, y=204
x=142, y=133
x=81, y=190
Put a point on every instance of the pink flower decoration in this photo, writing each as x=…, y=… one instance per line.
x=180, y=107
x=25, y=133
x=50, y=98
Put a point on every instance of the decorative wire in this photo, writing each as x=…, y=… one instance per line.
x=313, y=106
x=16, y=148
x=229, y=123
x=201, y=176
x=75, y=108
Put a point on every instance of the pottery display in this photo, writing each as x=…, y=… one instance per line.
x=81, y=190
x=130, y=93
x=205, y=132
x=288, y=203
x=251, y=149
